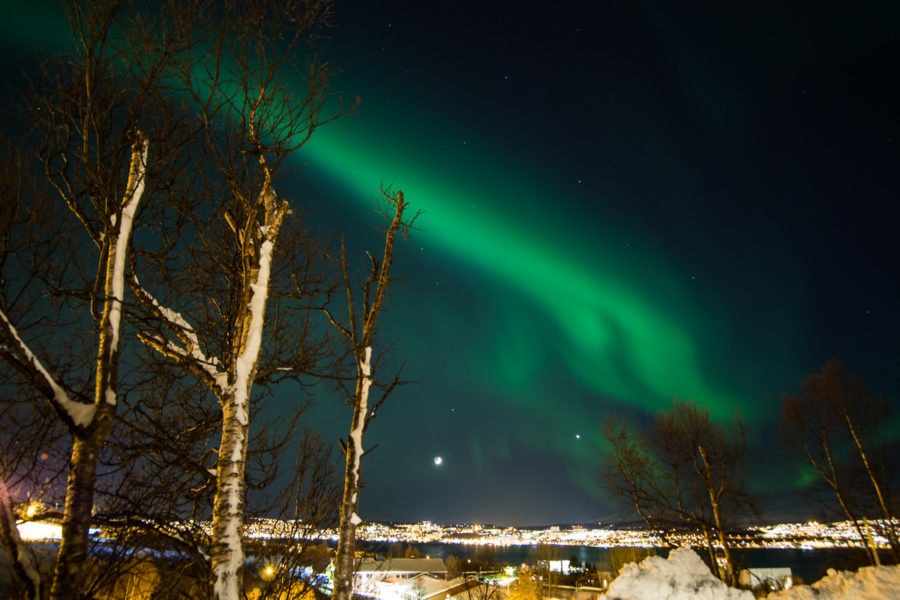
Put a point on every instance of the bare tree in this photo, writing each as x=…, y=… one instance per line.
x=162, y=493
x=96, y=156
x=235, y=79
x=360, y=333
x=27, y=235
x=836, y=426
x=191, y=99
x=87, y=422
x=528, y=586
x=684, y=468
x=307, y=507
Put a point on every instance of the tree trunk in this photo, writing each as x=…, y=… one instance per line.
x=68, y=573
x=831, y=478
x=88, y=441
x=346, y=550
x=361, y=342
x=21, y=558
x=228, y=510
x=711, y=550
x=879, y=495
x=228, y=507
x=729, y=575
x=345, y=557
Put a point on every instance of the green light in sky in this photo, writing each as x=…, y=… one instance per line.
x=498, y=215
x=620, y=340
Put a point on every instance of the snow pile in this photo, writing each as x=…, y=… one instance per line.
x=869, y=583
x=683, y=576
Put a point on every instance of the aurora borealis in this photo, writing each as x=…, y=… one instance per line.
x=621, y=203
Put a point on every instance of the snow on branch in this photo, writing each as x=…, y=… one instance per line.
x=245, y=365
x=137, y=177
x=21, y=357
x=191, y=354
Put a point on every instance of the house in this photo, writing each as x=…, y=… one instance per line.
x=424, y=587
x=372, y=574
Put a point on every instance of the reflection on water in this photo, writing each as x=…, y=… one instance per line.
x=810, y=565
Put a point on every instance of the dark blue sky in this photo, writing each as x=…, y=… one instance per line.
x=624, y=201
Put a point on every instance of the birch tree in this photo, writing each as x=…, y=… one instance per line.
x=104, y=198
x=359, y=332
x=96, y=114
x=29, y=464
x=836, y=426
x=190, y=99
x=683, y=468
x=258, y=100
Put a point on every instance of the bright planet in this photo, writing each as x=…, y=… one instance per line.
x=438, y=461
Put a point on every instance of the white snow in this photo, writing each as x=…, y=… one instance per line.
x=137, y=181
x=683, y=576
x=246, y=361
x=81, y=413
x=356, y=434
x=355, y=519
x=186, y=332
x=869, y=583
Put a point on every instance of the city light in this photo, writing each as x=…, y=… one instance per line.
x=36, y=531
x=809, y=535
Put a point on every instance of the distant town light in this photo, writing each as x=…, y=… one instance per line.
x=35, y=530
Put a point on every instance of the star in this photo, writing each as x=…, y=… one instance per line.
x=438, y=461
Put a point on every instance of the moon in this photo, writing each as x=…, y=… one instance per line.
x=438, y=461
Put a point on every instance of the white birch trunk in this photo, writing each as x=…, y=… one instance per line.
x=361, y=342
x=88, y=441
x=349, y=519
x=232, y=386
x=228, y=510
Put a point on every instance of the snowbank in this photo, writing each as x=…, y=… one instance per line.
x=683, y=576
x=869, y=583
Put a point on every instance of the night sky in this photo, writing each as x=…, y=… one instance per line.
x=623, y=201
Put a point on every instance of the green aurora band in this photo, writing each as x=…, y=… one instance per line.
x=625, y=343
x=632, y=332
x=621, y=341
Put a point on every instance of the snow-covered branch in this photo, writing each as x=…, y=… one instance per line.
x=134, y=191
x=190, y=353
x=19, y=355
